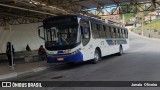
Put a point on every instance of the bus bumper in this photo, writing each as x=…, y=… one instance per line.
x=78, y=57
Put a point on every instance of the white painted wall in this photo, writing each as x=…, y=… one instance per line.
x=20, y=36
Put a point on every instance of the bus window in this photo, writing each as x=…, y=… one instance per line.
x=98, y=30
x=102, y=31
x=126, y=33
x=49, y=34
x=118, y=33
x=94, y=32
x=123, y=33
x=85, y=31
x=45, y=35
x=108, y=32
x=113, y=32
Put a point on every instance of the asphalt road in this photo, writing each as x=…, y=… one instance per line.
x=140, y=63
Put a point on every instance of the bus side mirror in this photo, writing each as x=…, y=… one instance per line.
x=39, y=32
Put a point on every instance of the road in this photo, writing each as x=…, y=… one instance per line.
x=140, y=63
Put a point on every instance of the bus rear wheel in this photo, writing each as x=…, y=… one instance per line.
x=97, y=57
x=120, y=51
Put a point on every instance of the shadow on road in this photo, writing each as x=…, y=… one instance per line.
x=57, y=67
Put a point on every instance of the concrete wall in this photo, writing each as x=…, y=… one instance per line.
x=20, y=36
x=149, y=33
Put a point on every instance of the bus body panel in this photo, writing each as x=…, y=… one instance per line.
x=78, y=57
x=71, y=55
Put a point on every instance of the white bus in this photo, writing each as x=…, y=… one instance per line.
x=76, y=38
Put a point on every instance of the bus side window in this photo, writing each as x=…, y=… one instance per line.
x=118, y=34
x=98, y=31
x=126, y=33
x=94, y=32
x=120, y=31
x=49, y=35
x=102, y=31
x=108, y=33
x=85, y=31
x=113, y=32
x=81, y=27
x=123, y=33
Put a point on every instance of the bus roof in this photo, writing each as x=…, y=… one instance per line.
x=97, y=21
x=83, y=17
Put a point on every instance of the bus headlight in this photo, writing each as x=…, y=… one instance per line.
x=49, y=55
x=75, y=52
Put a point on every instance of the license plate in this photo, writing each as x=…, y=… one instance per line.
x=60, y=59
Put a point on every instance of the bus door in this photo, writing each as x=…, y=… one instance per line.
x=85, y=38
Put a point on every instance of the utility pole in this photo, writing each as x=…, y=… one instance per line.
x=123, y=20
x=142, y=26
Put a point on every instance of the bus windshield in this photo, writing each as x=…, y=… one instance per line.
x=61, y=37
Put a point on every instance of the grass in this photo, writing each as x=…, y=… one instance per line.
x=154, y=25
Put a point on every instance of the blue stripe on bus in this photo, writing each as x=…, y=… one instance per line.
x=116, y=42
x=78, y=57
x=110, y=42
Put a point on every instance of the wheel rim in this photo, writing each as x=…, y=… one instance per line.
x=96, y=56
x=121, y=51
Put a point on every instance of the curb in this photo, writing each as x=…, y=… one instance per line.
x=15, y=74
x=10, y=75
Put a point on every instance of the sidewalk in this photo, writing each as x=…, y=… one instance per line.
x=21, y=68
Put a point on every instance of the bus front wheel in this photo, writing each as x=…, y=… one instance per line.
x=97, y=57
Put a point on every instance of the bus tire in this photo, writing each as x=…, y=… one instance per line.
x=120, y=50
x=97, y=57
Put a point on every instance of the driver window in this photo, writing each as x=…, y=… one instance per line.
x=85, y=31
x=54, y=34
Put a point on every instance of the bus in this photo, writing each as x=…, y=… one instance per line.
x=77, y=38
